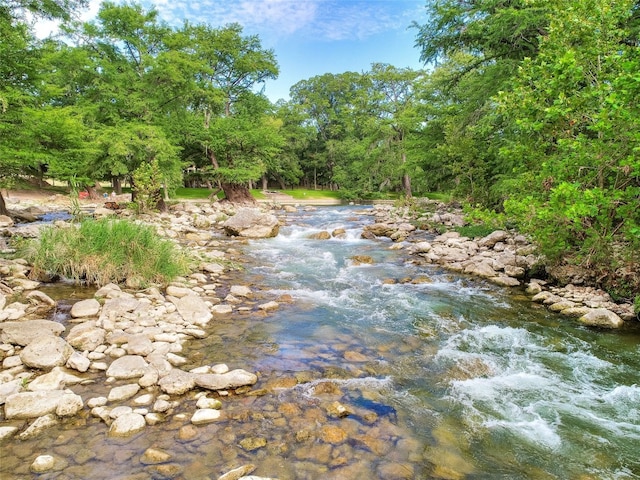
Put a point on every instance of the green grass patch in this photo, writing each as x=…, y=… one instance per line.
x=103, y=251
x=304, y=193
x=474, y=231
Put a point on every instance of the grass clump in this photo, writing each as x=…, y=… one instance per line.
x=104, y=251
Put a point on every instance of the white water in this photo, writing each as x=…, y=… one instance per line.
x=526, y=393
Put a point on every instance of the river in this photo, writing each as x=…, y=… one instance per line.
x=440, y=376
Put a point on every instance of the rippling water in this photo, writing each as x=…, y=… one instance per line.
x=443, y=376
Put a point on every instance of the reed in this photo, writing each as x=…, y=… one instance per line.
x=106, y=250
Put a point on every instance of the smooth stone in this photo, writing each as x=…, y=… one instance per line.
x=31, y=404
x=177, y=382
x=78, y=362
x=206, y=402
x=23, y=333
x=86, y=336
x=46, y=352
x=43, y=463
x=128, y=366
x=233, y=379
x=123, y=392
x=85, y=308
x=601, y=317
x=127, y=424
x=69, y=405
x=205, y=415
x=194, y=310
x=154, y=456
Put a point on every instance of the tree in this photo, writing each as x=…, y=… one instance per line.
x=573, y=140
x=18, y=74
x=234, y=134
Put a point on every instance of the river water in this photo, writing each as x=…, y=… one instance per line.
x=441, y=375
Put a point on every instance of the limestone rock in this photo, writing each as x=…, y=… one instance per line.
x=205, y=415
x=46, y=352
x=252, y=223
x=69, y=405
x=123, y=392
x=233, y=379
x=240, y=291
x=139, y=345
x=38, y=298
x=85, y=308
x=38, y=426
x=154, y=456
x=194, y=310
x=78, y=362
x=32, y=404
x=490, y=240
x=86, y=336
x=601, y=317
x=43, y=463
x=128, y=366
x=56, y=379
x=23, y=333
x=238, y=473
x=177, y=382
x=269, y=306
x=126, y=425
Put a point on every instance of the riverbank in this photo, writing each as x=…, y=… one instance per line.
x=151, y=329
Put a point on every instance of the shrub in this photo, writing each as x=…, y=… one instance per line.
x=104, y=251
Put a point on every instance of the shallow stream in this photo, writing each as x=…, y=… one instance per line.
x=441, y=376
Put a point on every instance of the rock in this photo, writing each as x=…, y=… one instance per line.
x=233, y=379
x=46, y=352
x=38, y=426
x=238, y=473
x=128, y=366
x=23, y=333
x=9, y=388
x=78, y=362
x=127, y=424
x=86, y=336
x=601, y=317
x=240, y=291
x=490, y=240
x=139, y=345
x=178, y=292
x=252, y=223
x=211, y=403
x=5, y=221
x=7, y=432
x=362, y=259
x=43, y=463
x=222, y=309
x=533, y=288
x=336, y=409
x=194, y=310
x=177, y=382
x=56, y=379
x=421, y=247
x=38, y=297
x=505, y=281
x=252, y=443
x=154, y=456
x=32, y=404
x=123, y=392
x=483, y=269
x=69, y=405
x=324, y=235
x=205, y=415
x=269, y=306
x=85, y=308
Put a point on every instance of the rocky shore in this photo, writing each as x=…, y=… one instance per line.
x=131, y=341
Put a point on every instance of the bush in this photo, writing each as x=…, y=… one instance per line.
x=103, y=251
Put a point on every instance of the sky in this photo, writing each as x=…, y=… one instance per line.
x=309, y=37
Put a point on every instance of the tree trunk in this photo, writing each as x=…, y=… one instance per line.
x=93, y=193
x=117, y=185
x=265, y=183
x=3, y=206
x=237, y=193
x=406, y=185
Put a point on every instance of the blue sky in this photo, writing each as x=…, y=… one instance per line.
x=311, y=37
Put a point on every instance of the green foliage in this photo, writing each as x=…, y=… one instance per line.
x=147, y=181
x=103, y=251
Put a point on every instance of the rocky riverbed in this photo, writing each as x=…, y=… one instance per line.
x=132, y=342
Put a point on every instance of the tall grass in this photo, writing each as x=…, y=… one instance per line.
x=106, y=250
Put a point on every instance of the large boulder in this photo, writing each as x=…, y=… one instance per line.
x=252, y=223
x=177, y=382
x=46, y=352
x=24, y=332
x=601, y=317
x=85, y=308
x=32, y=404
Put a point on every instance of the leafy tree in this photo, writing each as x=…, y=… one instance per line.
x=234, y=135
x=18, y=74
x=574, y=142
